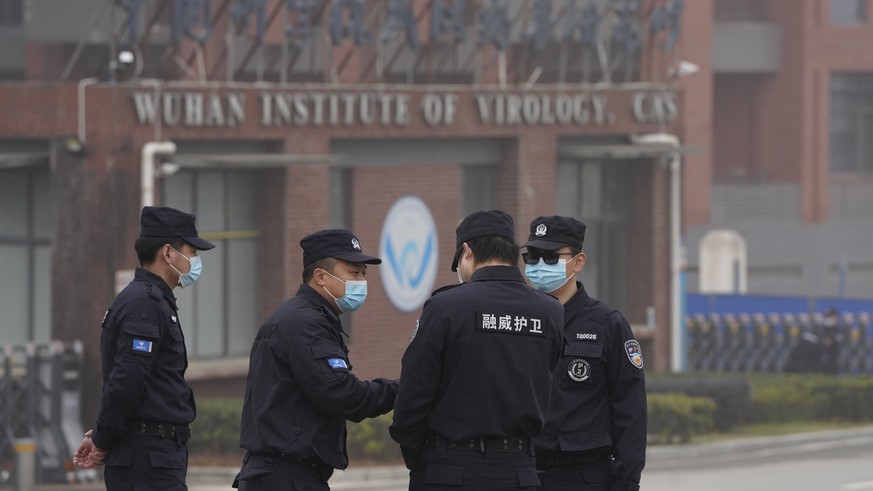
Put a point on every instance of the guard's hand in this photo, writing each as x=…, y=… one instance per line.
x=81, y=458
x=88, y=455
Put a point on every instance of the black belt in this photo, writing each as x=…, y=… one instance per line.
x=322, y=470
x=482, y=444
x=161, y=430
x=558, y=459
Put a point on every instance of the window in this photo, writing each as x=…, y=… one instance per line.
x=220, y=314
x=11, y=12
x=477, y=183
x=25, y=255
x=848, y=11
x=851, y=123
x=340, y=199
x=595, y=193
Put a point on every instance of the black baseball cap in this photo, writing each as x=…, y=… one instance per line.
x=336, y=243
x=554, y=232
x=163, y=221
x=481, y=224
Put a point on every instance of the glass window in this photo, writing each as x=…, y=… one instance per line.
x=595, y=194
x=848, y=11
x=477, y=182
x=220, y=314
x=340, y=198
x=25, y=255
x=11, y=12
x=851, y=123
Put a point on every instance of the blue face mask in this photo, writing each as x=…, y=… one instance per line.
x=547, y=277
x=356, y=293
x=193, y=273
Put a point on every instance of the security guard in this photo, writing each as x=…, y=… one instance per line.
x=595, y=437
x=477, y=374
x=300, y=389
x=146, y=406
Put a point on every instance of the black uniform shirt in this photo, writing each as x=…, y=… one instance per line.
x=480, y=363
x=143, y=355
x=301, y=390
x=599, y=397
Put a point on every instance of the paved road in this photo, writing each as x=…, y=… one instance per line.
x=824, y=461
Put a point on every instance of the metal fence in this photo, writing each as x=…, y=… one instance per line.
x=40, y=399
x=773, y=342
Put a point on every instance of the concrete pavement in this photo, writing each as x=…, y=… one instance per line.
x=658, y=457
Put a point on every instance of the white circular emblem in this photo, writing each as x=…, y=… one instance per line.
x=579, y=370
x=356, y=244
x=541, y=230
x=408, y=249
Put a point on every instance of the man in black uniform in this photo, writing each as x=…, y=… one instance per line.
x=595, y=436
x=300, y=389
x=477, y=374
x=146, y=406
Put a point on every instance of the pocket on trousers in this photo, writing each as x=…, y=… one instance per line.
x=444, y=474
x=122, y=457
x=597, y=472
x=527, y=476
x=254, y=468
x=167, y=460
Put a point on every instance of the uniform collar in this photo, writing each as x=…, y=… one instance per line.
x=142, y=274
x=308, y=293
x=499, y=273
x=578, y=302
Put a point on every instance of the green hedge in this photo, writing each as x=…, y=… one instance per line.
x=216, y=429
x=680, y=408
x=676, y=418
x=795, y=397
x=732, y=395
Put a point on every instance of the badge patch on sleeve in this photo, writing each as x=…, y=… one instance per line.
x=142, y=345
x=634, y=353
x=336, y=363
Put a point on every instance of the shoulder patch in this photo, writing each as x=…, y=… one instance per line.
x=142, y=345
x=634, y=353
x=337, y=363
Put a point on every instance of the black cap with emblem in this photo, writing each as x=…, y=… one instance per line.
x=554, y=232
x=336, y=243
x=163, y=221
x=481, y=224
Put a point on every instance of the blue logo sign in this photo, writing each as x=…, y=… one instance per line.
x=337, y=363
x=408, y=249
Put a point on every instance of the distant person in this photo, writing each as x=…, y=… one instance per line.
x=146, y=405
x=300, y=389
x=595, y=434
x=830, y=337
x=817, y=350
x=477, y=375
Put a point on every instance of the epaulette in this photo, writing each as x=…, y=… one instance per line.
x=153, y=292
x=445, y=288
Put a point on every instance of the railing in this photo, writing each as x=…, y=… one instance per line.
x=40, y=399
x=788, y=342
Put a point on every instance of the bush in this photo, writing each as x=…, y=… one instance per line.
x=732, y=396
x=215, y=432
x=812, y=397
x=369, y=441
x=675, y=418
